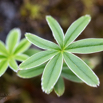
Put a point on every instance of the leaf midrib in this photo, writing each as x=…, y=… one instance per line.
x=52, y=71
x=84, y=46
x=17, y=49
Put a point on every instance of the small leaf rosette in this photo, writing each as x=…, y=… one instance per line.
x=74, y=68
x=12, y=51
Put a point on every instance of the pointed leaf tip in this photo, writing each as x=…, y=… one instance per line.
x=48, y=16
x=26, y=34
x=88, y=16
x=17, y=29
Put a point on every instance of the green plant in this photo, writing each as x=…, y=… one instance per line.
x=12, y=51
x=77, y=69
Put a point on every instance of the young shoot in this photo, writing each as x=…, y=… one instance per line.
x=50, y=62
x=12, y=51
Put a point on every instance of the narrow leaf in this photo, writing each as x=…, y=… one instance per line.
x=13, y=65
x=3, y=67
x=68, y=74
x=40, y=42
x=37, y=59
x=3, y=49
x=75, y=29
x=81, y=69
x=23, y=46
x=52, y=73
x=86, y=46
x=56, y=30
x=13, y=39
x=30, y=73
x=2, y=57
x=31, y=51
x=21, y=57
x=59, y=88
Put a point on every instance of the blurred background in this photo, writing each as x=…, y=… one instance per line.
x=29, y=16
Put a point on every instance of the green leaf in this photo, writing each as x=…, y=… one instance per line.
x=81, y=69
x=3, y=66
x=23, y=46
x=33, y=72
x=86, y=46
x=68, y=74
x=3, y=49
x=75, y=29
x=13, y=39
x=21, y=57
x=37, y=59
x=13, y=65
x=56, y=30
x=40, y=42
x=52, y=73
x=2, y=57
x=31, y=51
x=59, y=88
